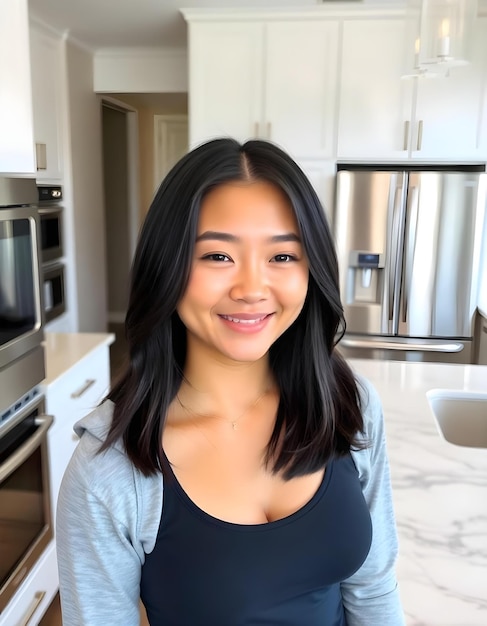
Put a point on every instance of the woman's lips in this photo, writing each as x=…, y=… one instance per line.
x=246, y=322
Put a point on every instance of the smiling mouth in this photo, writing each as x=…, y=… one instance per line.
x=245, y=322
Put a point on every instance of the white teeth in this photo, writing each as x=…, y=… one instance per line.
x=240, y=321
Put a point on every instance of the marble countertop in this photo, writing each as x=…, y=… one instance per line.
x=440, y=495
x=64, y=350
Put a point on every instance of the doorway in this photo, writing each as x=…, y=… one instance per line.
x=120, y=178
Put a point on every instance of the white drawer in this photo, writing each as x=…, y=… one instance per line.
x=80, y=389
x=35, y=594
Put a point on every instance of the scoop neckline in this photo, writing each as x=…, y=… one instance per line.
x=262, y=526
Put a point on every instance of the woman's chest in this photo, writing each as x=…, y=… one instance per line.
x=231, y=482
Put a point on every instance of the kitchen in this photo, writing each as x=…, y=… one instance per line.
x=344, y=135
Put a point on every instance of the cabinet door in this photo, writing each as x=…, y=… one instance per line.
x=47, y=105
x=225, y=80
x=301, y=79
x=16, y=127
x=483, y=101
x=448, y=121
x=375, y=103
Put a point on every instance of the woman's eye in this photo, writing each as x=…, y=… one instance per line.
x=284, y=258
x=216, y=257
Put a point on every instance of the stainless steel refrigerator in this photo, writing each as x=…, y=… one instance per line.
x=409, y=249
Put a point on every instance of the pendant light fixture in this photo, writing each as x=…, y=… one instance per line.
x=442, y=35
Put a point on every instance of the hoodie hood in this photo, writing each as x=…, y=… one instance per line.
x=97, y=424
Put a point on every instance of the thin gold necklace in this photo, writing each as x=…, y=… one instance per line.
x=232, y=422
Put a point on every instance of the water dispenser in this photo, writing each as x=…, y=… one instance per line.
x=365, y=276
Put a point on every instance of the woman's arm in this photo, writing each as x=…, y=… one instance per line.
x=102, y=531
x=371, y=596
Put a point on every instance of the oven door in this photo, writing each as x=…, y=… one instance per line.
x=21, y=310
x=25, y=503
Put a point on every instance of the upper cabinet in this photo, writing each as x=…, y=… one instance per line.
x=16, y=127
x=46, y=56
x=386, y=117
x=329, y=85
x=373, y=117
x=265, y=79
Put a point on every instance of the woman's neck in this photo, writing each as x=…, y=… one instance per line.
x=211, y=385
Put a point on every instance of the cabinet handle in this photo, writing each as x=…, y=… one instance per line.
x=41, y=156
x=269, y=130
x=256, y=129
x=406, y=135
x=38, y=598
x=420, y=135
x=89, y=383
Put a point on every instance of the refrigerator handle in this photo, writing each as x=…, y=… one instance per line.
x=388, y=302
x=424, y=346
x=395, y=259
x=410, y=244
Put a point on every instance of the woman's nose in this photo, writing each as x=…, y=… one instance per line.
x=250, y=283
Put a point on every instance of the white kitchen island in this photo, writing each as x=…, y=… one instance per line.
x=440, y=495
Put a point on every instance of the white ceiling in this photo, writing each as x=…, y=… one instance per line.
x=138, y=23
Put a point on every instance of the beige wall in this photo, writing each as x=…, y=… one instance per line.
x=147, y=106
x=87, y=190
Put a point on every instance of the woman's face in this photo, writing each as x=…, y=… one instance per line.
x=249, y=276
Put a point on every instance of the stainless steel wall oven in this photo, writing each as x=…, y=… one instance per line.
x=52, y=251
x=25, y=508
x=21, y=298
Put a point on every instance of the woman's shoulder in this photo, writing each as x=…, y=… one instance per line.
x=109, y=475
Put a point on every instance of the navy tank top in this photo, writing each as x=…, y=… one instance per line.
x=207, y=572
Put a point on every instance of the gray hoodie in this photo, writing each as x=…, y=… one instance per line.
x=109, y=513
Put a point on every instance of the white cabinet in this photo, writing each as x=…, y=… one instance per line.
x=300, y=86
x=16, y=126
x=69, y=398
x=35, y=594
x=372, y=116
x=267, y=79
x=482, y=27
x=446, y=123
x=385, y=117
x=225, y=80
x=47, y=82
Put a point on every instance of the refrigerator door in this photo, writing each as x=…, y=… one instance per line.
x=369, y=223
x=437, y=291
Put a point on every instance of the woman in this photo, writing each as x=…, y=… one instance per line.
x=237, y=472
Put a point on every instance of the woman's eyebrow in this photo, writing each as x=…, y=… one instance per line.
x=228, y=237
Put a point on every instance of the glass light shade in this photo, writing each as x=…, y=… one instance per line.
x=442, y=33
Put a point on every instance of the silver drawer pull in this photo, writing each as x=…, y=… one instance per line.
x=37, y=599
x=89, y=383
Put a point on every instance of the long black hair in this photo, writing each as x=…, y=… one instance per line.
x=319, y=409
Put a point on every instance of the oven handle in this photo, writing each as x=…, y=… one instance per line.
x=27, y=448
